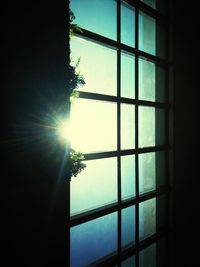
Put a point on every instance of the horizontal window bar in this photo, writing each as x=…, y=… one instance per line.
x=160, y=62
x=114, y=259
x=124, y=100
x=91, y=36
x=108, y=154
x=96, y=96
x=93, y=214
x=96, y=213
x=150, y=11
x=88, y=35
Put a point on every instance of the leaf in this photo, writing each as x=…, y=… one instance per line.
x=74, y=95
x=76, y=159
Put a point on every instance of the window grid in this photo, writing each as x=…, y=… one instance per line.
x=163, y=190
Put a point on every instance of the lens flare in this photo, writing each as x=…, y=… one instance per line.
x=64, y=130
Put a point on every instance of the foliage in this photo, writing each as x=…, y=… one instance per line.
x=74, y=95
x=76, y=165
x=73, y=27
x=75, y=80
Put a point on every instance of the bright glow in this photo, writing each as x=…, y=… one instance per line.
x=98, y=79
x=64, y=131
x=92, y=126
x=91, y=191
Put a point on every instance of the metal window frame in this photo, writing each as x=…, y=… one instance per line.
x=122, y=254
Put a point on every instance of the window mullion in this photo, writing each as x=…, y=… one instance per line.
x=136, y=134
x=119, y=123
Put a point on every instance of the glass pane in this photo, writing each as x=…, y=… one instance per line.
x=160, y=168
x=147, y=257
x=93, y=240
x=160, y=5
x=152, y=171
x=160, y=84
x=160, y=127
x=147, y=73
x=127, y=75
x=147, y=172
x=96, y=16
x=128, y=226
x=146, y=126
x=152, y=82
x=147, y=218
x=93, y=125
x=127, y=24
x=128, y=176
x=130, y=262
x=147, y=33
x=98, y=78
x=151, y=3
x=95, y=186
x=127, y=126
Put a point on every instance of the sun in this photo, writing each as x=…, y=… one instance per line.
x=64, y=130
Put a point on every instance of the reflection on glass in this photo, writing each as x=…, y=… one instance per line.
x=95, y=186
x=93, y=240
x=96, y=16
x=146, y=126
x=147, y=72
x=130, y=262
x=128, y=226
x=127, y=75
x=127, y=126
x=128, y=176
x=93, y=125
x=147, y=218
x=147, y=257
x=147, y=33
x=98, y=65
x=147, y=172
x=127, y=24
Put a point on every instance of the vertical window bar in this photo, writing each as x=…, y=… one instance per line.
x=68, y=222
x=119, y=122
x=167, y=86
x=136, y=134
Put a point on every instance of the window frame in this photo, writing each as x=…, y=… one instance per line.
x=122, y=254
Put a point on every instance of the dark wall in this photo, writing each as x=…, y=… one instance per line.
x=186, y=133
x=33, y=85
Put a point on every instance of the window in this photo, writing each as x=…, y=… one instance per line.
x=119, y=204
